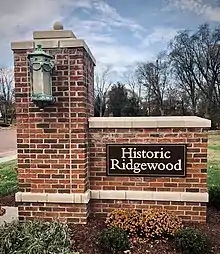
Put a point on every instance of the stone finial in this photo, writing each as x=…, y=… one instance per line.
x=57, y=26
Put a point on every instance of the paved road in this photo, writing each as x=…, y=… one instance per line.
x=7, y=142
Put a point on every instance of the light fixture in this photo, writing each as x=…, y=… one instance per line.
x=41, y=66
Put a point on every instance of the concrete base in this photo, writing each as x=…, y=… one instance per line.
x=10, y=215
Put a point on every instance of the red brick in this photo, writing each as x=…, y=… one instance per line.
x=55, y=138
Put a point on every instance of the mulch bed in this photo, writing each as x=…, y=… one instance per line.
x=84, y=240
x=8, y=200
x=84, y=236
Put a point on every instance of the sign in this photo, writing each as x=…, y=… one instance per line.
x=163, y=160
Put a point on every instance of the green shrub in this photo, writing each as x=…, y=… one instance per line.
x=113, y=239
x=35, y=237
x=214, y=195
x=192, y=241
x=158, y=223
x=154, y=223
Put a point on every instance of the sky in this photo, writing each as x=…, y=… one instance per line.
x=119, y=33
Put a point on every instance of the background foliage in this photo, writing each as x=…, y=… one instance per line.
x=184, y=79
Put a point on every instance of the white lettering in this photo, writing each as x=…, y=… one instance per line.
x=169, y=166
x=177, y=166
x=161, y=166
x=124, y=153
x=130, y=161
x=150, y=155
x=132, y=153
x=136, y=168
x=152, y=166
x=129, y=165
x=161, y=153
x=139, y=154
x=166, y=156
x=115, y=163
x=144, y=154
x=143, y=166
x=155, y=154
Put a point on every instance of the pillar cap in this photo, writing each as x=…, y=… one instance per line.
x=53, y=39
x=56, y=33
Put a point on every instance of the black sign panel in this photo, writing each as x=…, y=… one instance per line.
x=163, y=160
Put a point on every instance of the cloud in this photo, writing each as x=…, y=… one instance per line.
x=120, y=56
x=213, y=13
x=95, y=21
x=199, y=7
x=99, y=34
x=22, y=14
x=159, y=34
x=18, y=20
x=109, y=15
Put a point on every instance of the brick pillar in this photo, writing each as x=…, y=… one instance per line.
x=52, y=144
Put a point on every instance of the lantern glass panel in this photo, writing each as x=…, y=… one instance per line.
x=37, y=82
x=46, y=81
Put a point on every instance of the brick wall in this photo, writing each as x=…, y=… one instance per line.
x=61, y=149
x=53, y=143
x=187, y=211
x=67, y=213
x=194, y=182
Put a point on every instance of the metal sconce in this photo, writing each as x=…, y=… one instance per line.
x=41, y=66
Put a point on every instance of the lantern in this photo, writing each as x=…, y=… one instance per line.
x=41, y=66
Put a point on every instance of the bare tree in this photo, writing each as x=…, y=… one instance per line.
x=183, y=65
x=133, y=83
x=7, y=107
x=154, y=76
x=196, y=59
x=102, y=86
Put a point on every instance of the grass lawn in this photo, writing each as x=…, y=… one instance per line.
x=214, y=160
x=8, y=178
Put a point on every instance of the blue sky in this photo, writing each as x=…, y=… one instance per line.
x=118, y=32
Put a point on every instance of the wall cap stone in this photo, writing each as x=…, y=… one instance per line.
x=76, y=198
x=83, y=198
x=151, y=195
x=149, y=122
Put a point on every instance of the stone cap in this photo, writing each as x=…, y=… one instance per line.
x=84, y=198
x=149, y=122
x=150, y=195
x=53, y=39
x=81, y=198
